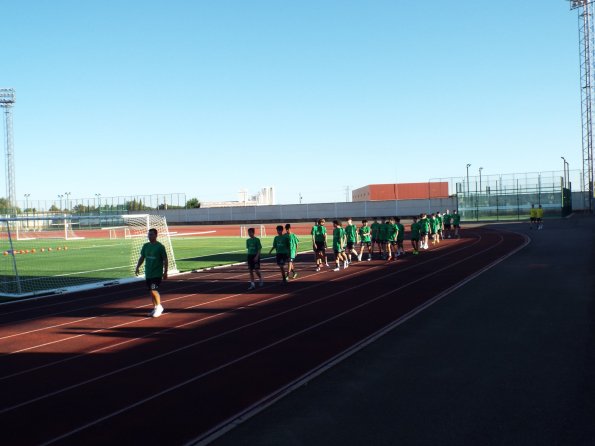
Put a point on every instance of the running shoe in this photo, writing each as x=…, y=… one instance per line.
x=251, y=287
x=158, y=311
x=294, y=276
x=337, y=269
x=317, y=269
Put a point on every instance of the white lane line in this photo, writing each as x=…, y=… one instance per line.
x=254, y=352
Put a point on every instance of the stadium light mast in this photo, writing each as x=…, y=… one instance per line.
x=7, y=99
x=586, y=48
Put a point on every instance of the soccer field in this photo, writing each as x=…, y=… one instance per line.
x=44, y=264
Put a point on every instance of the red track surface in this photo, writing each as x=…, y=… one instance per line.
x=92, y=368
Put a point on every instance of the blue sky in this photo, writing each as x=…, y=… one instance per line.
x=210, y=97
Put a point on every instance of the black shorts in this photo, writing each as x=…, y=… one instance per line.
x=319, y=246
x=153, y=283
x=375, y=240
x=365, y=244
x=415, y=238
x=281, y=259
x=350, y=245
x=446, y=226
x=457, y=226
x=252, y=262
x=533, y=219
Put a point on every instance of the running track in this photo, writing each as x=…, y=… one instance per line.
x=92, y=368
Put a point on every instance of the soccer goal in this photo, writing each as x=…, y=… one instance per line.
x=259, y=230
x=77, y=259
x=46, y=228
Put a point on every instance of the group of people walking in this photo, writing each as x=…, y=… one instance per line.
x=383, y=237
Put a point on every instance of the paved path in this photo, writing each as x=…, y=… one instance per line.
x=508, y=359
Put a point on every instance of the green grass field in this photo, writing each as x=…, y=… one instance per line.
x=96, y=260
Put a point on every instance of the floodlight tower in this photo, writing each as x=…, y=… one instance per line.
x=7, y=99
x=586, y=48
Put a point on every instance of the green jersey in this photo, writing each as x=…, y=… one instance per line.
x=415, y=231
x=424, y=225
x=281, y=244
x=439, y=219
x=351, y=233
x=382, y=232
x=401, y=234
x=375, y=227
x=319, y=233
x=433, y=225
x=447, y=218
x=364, y=234
x=338, y=235
x=456, y=219
x=154, y=254
x=392, y=231
x=293, y=244
x=253, y=245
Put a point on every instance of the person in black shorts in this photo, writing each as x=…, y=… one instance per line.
x=254, y=247
x=281, y=245
x=319, y=243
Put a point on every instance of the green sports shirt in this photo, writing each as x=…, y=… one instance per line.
x=281, y=244
x=154, y=254
x=319, y=232
x=351, y=233
x=375, y=227
x=392, y=232
x=338, y=235
x=293, y=244
x=401, y=234
x=415, y=230
x=253, y=245
x=364, y=234
x=456, y=218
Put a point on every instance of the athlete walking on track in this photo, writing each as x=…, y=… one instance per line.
x=155, y=269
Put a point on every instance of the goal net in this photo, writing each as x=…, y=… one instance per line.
x=51, y=228
x=35, y=260
x=259, y=230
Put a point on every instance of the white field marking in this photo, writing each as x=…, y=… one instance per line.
x=247, y=355
x=147, y=305
x=254, y=409
x=182, y=234
x=251, y=324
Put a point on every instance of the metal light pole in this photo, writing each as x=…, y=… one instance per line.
x=565, y=177
x=480, y=169
x=98, y=199
x=27, y=203
x=60, y=197
x=67, y=200
x=468, y=166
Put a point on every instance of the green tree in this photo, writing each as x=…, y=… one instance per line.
x=193, y=203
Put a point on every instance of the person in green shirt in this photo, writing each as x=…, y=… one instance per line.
x=253, y=247
x=424, y=230
x=383, y=238
x=400, y=237
x=155, y=269
x=415, y=236
x=293, y=247
x=339, y=245
x=439, y=227
x=365, y=240
x=319, y=243
x=456, y=222
x=281, y=245
x=375, y=228
x=433, y=228
x=351, y=239
x=392, y=232
x=447, y=219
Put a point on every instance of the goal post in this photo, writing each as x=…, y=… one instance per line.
x=35, y=261
x=260, y=230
